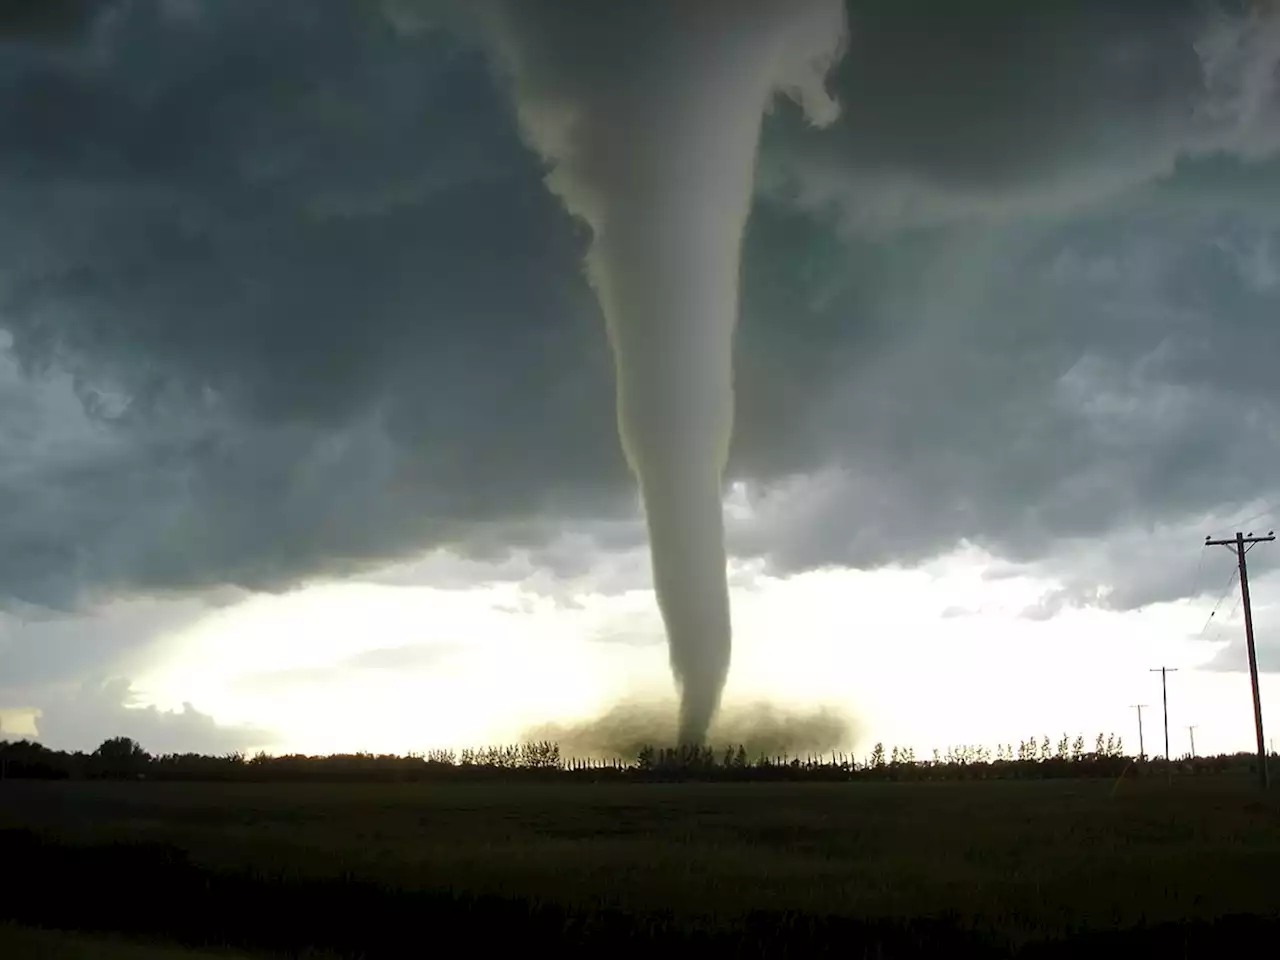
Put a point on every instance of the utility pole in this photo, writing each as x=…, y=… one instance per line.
x=1164, y=696
x=1192, y=730
x=1242, y=544
x=1142, y=750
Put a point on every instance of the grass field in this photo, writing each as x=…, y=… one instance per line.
x=23, y=943
x=1017, y=862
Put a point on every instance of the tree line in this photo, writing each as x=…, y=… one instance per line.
x=121, y=758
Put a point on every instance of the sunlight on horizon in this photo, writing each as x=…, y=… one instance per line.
x=348, y=667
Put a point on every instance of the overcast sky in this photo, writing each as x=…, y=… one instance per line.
x=306, y=407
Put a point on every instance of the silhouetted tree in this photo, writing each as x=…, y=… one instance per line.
x=121, y=757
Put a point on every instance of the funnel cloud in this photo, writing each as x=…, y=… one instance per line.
x=648, y=115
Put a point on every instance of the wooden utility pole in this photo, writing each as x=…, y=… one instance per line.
x=1164, y=696
x=1242, y=544
x=1142, y=750
x=1192, y=730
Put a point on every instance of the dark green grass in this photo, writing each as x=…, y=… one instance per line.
x=1016, y=862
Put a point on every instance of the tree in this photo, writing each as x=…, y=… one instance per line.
x=539, y=755
x=877, y=755
x=121, y=757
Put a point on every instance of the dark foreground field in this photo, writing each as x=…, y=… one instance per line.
x=25, y=943
x=1038, y=867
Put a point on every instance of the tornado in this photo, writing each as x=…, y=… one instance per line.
x=647, y=114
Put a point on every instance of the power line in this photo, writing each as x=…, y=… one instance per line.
x=1266, y=512
x=1241, y=545
x=1225, y=590
x=1217, y=633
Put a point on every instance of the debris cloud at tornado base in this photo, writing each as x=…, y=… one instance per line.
x=763, y=729
x=648, y=115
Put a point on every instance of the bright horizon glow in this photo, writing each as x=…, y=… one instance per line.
x=357, y=666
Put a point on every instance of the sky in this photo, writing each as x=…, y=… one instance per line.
x=307, y=428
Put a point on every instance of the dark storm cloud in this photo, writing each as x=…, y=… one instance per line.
x=301, y=272
x=995, y=106
x=48, y=20
x=1091, y=391
x=323, y=304
x=1039, y=319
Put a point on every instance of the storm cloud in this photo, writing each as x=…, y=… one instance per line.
x=283, y=296
x=84, y=717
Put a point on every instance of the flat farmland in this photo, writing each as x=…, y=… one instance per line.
x=1018, y=864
